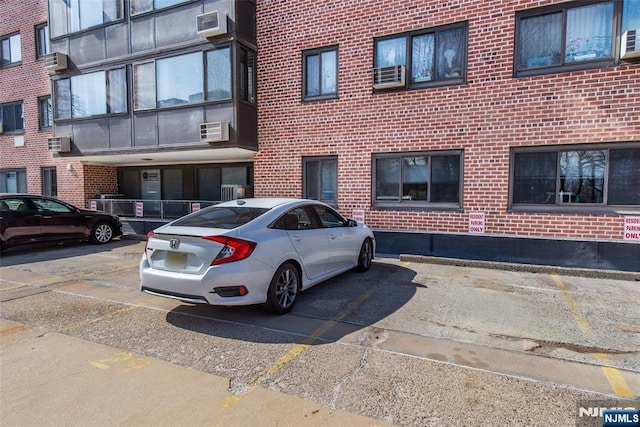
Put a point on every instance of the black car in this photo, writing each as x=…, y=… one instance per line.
x=26, y=219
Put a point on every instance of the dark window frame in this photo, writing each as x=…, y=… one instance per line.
x=11, y=62
x=563, y=8
x=401, y=202
x=43, y=40
x=561, y=203
x=21, y=180
x=45, y=117
x=247, y=74
x=49, y=181
x=14, y=128
x=435, y=82
x=306, y=191
x=306, y=54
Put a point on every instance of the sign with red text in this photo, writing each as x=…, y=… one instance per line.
x=139, y=209
x=358, y=215
x=93, y=205
x=476, y=222
x=632, y=228
x=195, y=207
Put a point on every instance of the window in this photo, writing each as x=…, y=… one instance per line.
x=568, y=36
x=12, y=116
x=418, y=179
x=432, y=57
x=43, y=46
x=599, y=176
x=247, y=75
x=320, y=74
x=49, y=182
x=92, y=94
x=10, y=50
x=70, y=16
x=630, y=15
x=13, y=181
x=321, y=179
x=141, y=6
x=45, y=112
x=184, y=79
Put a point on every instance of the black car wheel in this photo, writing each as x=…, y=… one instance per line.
x=102, y=233
x=365, y=256
x=282, y=292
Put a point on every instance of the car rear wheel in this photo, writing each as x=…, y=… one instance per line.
x=283, y=289
x=365, y=256
x=102, y=233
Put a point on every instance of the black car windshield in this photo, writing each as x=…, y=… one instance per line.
x=221, y=217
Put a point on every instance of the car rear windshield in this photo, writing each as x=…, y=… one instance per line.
x=221, y=217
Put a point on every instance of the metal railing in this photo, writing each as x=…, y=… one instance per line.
x=156, y=209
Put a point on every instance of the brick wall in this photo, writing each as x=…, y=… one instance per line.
x=486, y=117
x=26, y=82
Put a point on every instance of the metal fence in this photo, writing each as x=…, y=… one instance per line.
x=138, y=208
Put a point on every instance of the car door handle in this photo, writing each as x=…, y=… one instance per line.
x=333, y=236
x=296, y=237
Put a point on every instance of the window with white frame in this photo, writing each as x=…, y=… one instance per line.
x=70, y=16
x=320, y=74
x=572, y=35
x=10, y=50
x=91, y=94
x=418, y=179
x=183, y=79
x=431, y=57
x=321, y=179
x=12, y=116
x=598, y=176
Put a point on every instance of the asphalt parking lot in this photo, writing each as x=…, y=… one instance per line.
x=408, y=343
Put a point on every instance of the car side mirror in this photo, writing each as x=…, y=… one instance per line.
x=352, y=223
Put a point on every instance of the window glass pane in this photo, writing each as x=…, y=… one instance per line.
x=312, y=180
x=313, y=72
x=74, y=15
x=172, y=184
x=415, y=178
x=388, y=179
x=46, y=116
x=535, y=178
x=63, y=98
x=19, y=116
x=422, y=58
x=43, y=46
x=624, y=177
x=209, y=180
x=582, y=176
x=179, y=80
x=589, y=32
x=391, y=52
x=630, y=15
x=445, y=179
x=158, y=4
x=329, y=68
x=144, y=86
x=12, y=182
x=117, y=91
x=450, y=54
x=58, y=17
x=218, y=74
x=234, y=175
x=328, y=178
x=90, y=14
x=540, y=41
x=247, y=75
x=49, y=182
x=6, y=51
x=112, y=10
x=16, y=52
x=89, y=95
x=139, y=6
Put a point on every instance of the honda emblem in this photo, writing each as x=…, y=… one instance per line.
x=174, y=243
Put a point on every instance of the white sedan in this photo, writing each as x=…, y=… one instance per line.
x=253, y=251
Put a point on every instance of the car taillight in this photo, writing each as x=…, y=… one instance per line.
x=234, y=249
x=149, y=235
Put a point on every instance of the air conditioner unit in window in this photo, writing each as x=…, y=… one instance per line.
x=389, y=77
x=630, y=44
x=214, y=132
x=211, y=24
x=59, y=144
x=55, y=61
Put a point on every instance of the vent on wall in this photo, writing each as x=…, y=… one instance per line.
x=389, y=77
x=214, y=131
x=211, y=24
x=55, y=61
x=59, y=144
x=630, y=44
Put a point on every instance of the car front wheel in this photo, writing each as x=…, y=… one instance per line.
x=102, y=233
x=283, y=289
x=365, y=256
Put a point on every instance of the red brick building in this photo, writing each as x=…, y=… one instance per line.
x=502, y=130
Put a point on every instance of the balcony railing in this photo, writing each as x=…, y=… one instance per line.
x=152, y=209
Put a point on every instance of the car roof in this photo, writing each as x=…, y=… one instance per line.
x=265, y=202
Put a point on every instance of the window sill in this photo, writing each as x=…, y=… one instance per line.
x=390, y=206
x=575, y=208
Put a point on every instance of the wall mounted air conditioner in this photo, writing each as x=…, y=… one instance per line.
x=214, y=132
x=389, y=77
x=59, y=144
x=55, y=61
x=630, y=44
x=211, y=24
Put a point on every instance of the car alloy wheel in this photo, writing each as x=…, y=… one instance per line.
x=365, y=256
x=102, y=233
x=282, y=292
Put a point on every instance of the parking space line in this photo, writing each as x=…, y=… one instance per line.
x=614, y=376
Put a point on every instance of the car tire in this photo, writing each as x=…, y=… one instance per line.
x=283, y=289
x=365, y=256
x=102, y=233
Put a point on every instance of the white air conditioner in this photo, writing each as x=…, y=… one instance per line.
x=389, y=77
x=211, y=24
x=630, y=44
x=231, y=192
x=59, y=144
x=55, y=61
x=214, y=132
